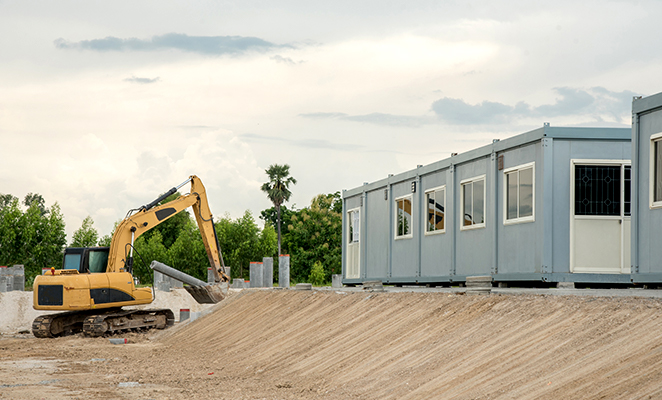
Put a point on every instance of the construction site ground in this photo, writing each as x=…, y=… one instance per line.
x=352, y=344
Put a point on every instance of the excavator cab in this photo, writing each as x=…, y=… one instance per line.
x=86, y=259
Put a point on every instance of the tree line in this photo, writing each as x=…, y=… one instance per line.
x=34, y=236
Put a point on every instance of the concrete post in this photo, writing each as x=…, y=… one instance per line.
x=268, y=263
x=184, y=314
x=336, y=281
x=210, y=275
x=18, y=271
x=284, y=271
x=257, y=274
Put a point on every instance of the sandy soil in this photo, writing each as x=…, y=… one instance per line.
x=275, y=344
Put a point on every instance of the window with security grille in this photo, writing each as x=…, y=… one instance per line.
x=597, y=190
x=436, y=200
x=627, y=191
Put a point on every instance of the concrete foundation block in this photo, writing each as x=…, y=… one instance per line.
x=565, y=285
x=284, y=271
x=257, y=274
x=210, y=275
x=237, y=283
x=4, y=283
x=336, y=281
x=303, y=286
x=373, y=286
x=184, y=314
x=268, y=279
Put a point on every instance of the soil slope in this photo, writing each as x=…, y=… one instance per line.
x=336, y=345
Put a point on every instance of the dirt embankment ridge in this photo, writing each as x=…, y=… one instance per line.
x=336, y=345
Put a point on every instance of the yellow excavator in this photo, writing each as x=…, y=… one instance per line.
x=96, y=282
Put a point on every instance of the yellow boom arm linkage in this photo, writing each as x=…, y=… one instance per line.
x=120, y=257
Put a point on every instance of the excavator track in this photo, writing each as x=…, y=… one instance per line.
x=126, y=320
x=60, y=324
x=91, y=323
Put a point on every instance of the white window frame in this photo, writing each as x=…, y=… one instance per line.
x=427, y=208
x=411, y=229
x=651, y=172
x=518, y=220
x=462, y=213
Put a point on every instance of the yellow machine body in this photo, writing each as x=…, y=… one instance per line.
x=109, y=284
x=69, y=290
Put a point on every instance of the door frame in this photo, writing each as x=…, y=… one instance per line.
x=357, y=244
x=603, y=162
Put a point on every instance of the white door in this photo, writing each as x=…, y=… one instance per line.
x=600, y=217
x=353, y=259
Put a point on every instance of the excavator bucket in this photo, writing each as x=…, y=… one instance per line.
x=202, y=292
x=210, y=294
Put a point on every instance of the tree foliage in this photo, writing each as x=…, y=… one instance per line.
x=86, y=235
x=34, y=237
x=277, y=190
x=242, y=242
x=313, y=234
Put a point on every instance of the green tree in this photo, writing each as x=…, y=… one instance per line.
x=6, y=200
x=32, y=238
x=242, y=242
x=173, y=226
x=148, y=250
x=277, y=190
x=315, y=235
x=86, y=235
x=188, y=253
x=36, y=200
x=317, y=276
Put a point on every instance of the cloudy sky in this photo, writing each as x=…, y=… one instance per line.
x=105, y=105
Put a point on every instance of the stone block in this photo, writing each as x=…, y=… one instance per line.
x=268, y=279
x=565, y=285
x=284, y=271
x=373, y=286
x=336, y=281
x=303, y=286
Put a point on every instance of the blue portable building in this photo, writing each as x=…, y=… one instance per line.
x=549, y=205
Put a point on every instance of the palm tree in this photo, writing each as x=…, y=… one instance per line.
x=277, y=189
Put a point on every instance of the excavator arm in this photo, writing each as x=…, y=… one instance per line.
x=147, y=217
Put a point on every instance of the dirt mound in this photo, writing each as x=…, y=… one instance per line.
x=406, y=345
x=338, y=345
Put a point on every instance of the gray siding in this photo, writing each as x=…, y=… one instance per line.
x=647, y=222
x=436, y=248
x=519, y=245
x=377, y=242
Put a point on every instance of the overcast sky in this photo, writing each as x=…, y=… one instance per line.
x=105, y=105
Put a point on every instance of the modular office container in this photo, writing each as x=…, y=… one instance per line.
x=549, y=205
x=647, y=189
